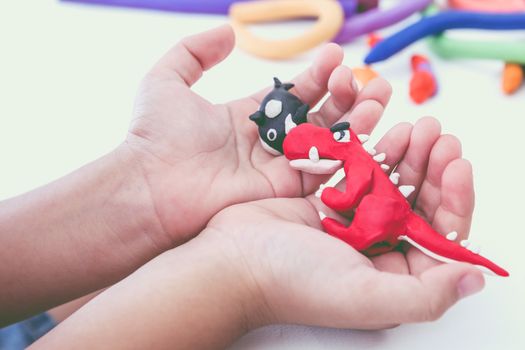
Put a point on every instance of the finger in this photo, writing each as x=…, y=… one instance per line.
x=446, y=149
x=343, y=91
x=312, y=84
x=394, y=299
x=378, y=89
x=413, y=166
x=195, y=54
x=457, y=199
x=395, y=144
x=453, y=214
x=369, y=106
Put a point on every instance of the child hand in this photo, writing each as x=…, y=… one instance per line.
x=305, y=276
x=268, y=262
x=198, y=157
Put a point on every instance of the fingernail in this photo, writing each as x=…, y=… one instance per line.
x=470, y=284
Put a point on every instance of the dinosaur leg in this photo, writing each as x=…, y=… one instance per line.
x=375, y=221
x=352, y=235
x=358, y=184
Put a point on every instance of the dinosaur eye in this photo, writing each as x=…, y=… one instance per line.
x=273, y=108
x=342, y=136
x=271, y=134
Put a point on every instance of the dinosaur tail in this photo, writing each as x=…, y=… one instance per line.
x=422, y=236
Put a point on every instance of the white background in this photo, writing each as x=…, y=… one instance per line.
x=68, y=76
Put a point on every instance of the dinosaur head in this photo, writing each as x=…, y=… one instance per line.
x=318, y=150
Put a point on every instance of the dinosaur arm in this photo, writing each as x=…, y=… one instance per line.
x=358, y=183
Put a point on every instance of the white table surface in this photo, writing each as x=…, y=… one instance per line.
x=68, y=76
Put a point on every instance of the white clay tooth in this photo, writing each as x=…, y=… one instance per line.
x=385, y=167
x=371, y=151
x=313, y=154
x=464, y=243
x=406, y=190
x=363, y=137
x=394, y=177
x=380, y=157
x=322, y=215
x=452, y=236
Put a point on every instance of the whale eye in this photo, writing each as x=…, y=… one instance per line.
x=342, y=136
x=273, y=108
x=271, y=134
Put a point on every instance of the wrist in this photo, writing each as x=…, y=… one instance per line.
x=243, y=280
x=133, y=211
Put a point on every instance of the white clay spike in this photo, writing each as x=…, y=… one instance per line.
x=371, y=151
x=452, y=236
x=394, y=177
x=464, y=243
x=406, y=190
x=322, y=215
x=380, y=157
x=313, y=154
x=474, y=249
x=319, y=192
x=363, y=137
x=385, y=167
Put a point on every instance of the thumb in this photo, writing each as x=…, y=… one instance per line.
x=396, y=299
x=195, y=54
x=445, y=284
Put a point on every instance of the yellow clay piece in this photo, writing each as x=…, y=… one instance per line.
x=363, y=75
x=329, y=16
x=512, y=78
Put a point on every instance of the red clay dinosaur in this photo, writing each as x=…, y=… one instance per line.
x=383, y=217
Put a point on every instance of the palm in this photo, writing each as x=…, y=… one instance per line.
x=320, y=274
x=185, y=141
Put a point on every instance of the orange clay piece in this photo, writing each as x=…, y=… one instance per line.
x=373, y=39
x=329, y=16
x=488, y=5
x=363, y=75
x=512, y=78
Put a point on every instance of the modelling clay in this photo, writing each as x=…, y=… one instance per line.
x=366, y=5
x=440, y=22
x=512, y=78
x=506, y=51
x=382, y=215
x=329, y=14
x=280, y=112
x=364, y=75
x=219, y=7
x=423, y=84
x=190, y=6
x=375, y=19
x=373, y=39
x=488, y=5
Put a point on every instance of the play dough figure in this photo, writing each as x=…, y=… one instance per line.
x=382, y=216
x=280, y=111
